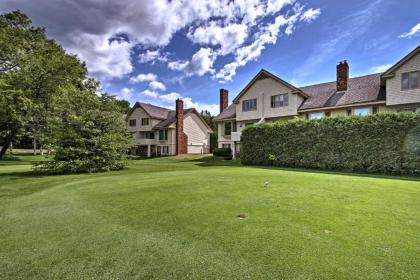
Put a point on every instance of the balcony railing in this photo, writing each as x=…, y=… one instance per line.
x=143, y=141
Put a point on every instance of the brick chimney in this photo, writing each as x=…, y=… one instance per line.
x=224, y=99
x=181, y=137
x=342, y=75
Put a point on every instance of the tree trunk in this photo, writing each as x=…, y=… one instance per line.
x=7, y=143
x=34, y=146
x=41, y=149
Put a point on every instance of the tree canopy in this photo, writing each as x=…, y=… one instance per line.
x=46, y=92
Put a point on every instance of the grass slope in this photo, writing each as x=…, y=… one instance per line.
x=177, y=219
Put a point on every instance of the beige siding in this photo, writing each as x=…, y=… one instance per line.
x=221, y=132
x=138, y=114
x=385, y=109
x=171, y=142
x=198, y=134
x=171, y=137
x=394, y=94
x=337, y=113
x=262, y=90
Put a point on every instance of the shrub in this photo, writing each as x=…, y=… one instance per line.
x=381, y=143
x=222, y=152
x=90, y=137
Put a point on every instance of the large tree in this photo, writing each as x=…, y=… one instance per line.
x=32, y=70
x=46, y=93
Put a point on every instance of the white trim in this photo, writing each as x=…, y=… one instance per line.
x=341, y=106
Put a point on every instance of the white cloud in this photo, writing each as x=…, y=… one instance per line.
x=228, y=37
x=413, y=31
x=152, y=56
x=151, y=25
x=157, y=85
x=149, y=77
x=212, y=108
x=150, y=93
x=380, y=68
x=170, y=97
x=105, y=59
x=124, y=94
x=268, y=34
x=168, y=101
x=273, y=6
x=310, y=15
x=253, y=51
x=200, y=64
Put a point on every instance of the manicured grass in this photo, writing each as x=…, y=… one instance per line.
x=173, y=218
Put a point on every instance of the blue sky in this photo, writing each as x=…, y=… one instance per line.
x=157, y=51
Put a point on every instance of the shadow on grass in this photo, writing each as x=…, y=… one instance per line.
x=217, y=161
x=22, y=190
x=211, y=160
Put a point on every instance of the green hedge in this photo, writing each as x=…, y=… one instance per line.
x=380, y=143
x=222, y=152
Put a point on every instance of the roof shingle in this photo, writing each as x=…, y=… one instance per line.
x=360, y=90
x=171, y=118
x=155, y=111
x=228, y=113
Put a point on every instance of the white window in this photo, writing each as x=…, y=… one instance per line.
x=361, y=111
x=132, y=122
x=249, y=105
x=280, y=100
x=163, y=135
x=316, y=115
x=149, y=135
x=228, y=128
x=145, y=121
x=409, y=110
x=410, y=80
x=165, y=150
x=226, y=146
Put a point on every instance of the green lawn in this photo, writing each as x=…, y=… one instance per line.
x=177, y=219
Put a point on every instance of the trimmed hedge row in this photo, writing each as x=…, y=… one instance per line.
x=222, y=152
x=380, y=143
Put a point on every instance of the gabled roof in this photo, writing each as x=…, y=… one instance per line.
x=265, y=74
x=362, y=89
x=171, y=119
x=153, y=111
x=228, y=113
x=167, y=116
x=390, y=72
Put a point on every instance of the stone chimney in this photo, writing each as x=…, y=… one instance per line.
x=342, y=75
x=181, y=137
x=224, y=99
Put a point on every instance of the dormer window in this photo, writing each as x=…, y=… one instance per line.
x=280, y=100
x=410, y=80
x=249, y=105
